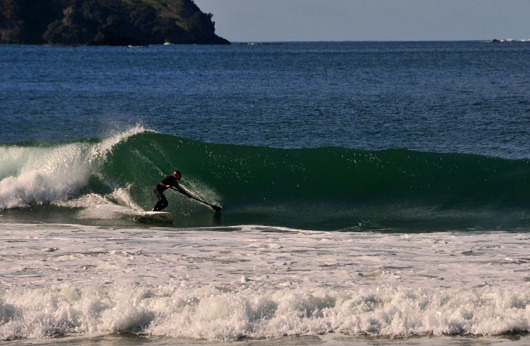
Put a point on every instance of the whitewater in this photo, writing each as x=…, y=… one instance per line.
x=261, y=283
x=48, y=174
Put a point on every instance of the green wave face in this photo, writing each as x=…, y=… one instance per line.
x=327, y=188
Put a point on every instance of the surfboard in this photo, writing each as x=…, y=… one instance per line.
x=155, y=216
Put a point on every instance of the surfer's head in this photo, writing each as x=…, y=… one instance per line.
x=177, y=175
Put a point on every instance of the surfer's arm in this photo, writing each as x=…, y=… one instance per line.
x=182, y=191
x=164, y=185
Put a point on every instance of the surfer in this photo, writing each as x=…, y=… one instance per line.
x=171, y=181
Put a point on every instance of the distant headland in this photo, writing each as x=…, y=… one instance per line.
x=105, y=22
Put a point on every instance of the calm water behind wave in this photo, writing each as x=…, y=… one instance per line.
x=465, y=97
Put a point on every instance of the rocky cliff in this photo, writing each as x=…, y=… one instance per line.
x=105, y=22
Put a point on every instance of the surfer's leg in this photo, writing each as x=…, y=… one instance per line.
x=162, y=201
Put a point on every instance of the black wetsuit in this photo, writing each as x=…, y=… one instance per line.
x=161, y=187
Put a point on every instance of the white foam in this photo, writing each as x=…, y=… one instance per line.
x=215, y=313
x=206, y=284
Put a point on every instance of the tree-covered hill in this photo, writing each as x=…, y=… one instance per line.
x=105, y=22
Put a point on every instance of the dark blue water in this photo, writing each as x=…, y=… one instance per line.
x=458, y=97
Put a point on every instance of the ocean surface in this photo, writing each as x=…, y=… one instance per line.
x=373, y=193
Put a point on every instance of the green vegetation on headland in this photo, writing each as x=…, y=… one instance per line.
x=105, y=22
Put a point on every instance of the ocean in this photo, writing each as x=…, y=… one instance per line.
x=373, y=193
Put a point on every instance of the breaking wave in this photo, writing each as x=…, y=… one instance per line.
x=325, y=188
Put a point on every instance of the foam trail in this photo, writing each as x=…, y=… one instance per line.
x=117, y=204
